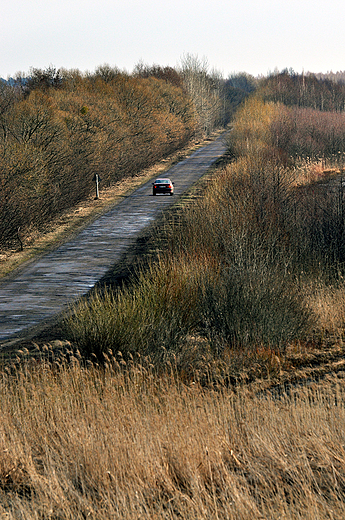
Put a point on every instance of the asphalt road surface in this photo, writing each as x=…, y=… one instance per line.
x=42, y=289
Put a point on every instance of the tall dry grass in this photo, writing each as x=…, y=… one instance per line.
x=80, y=442
x=327, y=303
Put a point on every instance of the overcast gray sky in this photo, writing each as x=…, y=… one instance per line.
x=255, y=36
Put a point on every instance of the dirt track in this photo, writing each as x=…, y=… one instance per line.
x=45, y=287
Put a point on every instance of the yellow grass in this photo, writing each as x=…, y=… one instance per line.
x=81, y=442
x=328, y=305
x=309, y=171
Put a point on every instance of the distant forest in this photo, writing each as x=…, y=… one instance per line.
x=321, y=92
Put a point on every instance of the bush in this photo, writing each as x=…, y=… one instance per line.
x=151, y=317
x=254, y=307
x=309, y=133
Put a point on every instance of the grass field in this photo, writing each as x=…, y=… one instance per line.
x=77, y=441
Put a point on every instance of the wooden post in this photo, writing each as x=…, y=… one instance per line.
x=97, y=179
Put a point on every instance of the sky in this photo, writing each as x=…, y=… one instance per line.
x=253, y=36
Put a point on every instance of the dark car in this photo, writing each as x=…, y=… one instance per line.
x=162, y=186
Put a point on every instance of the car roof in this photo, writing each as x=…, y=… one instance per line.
x=162, y=180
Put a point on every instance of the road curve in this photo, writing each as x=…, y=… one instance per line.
x=46, y=286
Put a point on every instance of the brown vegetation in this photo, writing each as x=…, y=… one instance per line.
x=236, y=262
x=80, y=442
x=59, y=128
x=304, y=90
x=309, y=133
x=54, y=140
x=194, y=393
x=57, y=229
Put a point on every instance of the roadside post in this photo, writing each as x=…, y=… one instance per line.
x=97, y=180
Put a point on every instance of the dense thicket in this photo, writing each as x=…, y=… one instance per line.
x=289, y=133
x=302, y=145
x=58, y=129
x=214, y=98
x=298, y=116
x=306, y=132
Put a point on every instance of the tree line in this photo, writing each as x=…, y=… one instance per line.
x=320, y=92
x=60, y=127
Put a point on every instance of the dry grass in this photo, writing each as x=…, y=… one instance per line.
x=308, y=171
x=81, y=442
x=327, y=303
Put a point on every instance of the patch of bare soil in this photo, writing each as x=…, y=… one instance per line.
x=303, y=365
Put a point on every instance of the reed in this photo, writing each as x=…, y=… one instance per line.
x=79, y=441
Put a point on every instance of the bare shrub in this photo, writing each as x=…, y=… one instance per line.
x=309, y=133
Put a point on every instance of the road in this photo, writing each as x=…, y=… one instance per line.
x=44, y=288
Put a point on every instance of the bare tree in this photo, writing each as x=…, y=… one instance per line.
x=205, y=90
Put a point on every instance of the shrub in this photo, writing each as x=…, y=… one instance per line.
x=151, y=316
x=309, y=133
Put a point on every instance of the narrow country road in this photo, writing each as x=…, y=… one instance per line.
x=45, y=287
